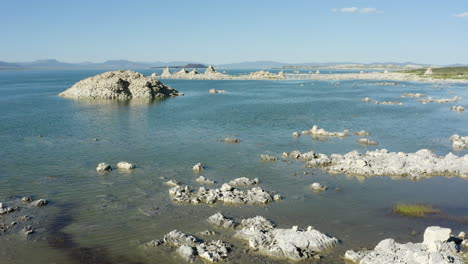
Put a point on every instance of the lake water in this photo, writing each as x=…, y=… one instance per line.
x=94, y=218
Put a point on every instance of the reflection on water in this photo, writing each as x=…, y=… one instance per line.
x=106, y=218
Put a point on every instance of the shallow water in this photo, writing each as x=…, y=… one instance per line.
x=93, y=218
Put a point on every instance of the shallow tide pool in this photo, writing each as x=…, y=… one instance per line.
x=93, y=218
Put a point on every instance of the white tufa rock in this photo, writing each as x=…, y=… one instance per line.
x=125, y=165
x=318, y=187
x=367, y=99
x=457, y=108
x=120, y=85
x=103, y=167
x=219, y=220
x=412, y=95
x=244, y=181
x=441, y=100
x=198, y=167
x=459, y=142
x=418, y=165
x=428, y=71
x=266, y=157
x=204, y=180
x=434, y=250
x=367, y=142
x=296, y=134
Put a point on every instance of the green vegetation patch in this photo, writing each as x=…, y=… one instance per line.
x=414, y=210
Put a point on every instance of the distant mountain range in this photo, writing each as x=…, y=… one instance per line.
x=126, y=64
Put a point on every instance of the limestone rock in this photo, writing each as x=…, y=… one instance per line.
x=411, y=95
x=440, y=100
x=293, y=244
x=187, y=253
x=214, y=91
x=367, y=142
x=457, y=108
x=434, y=249
x=125, y=165
x=219, y=220
x=231, y=140
x=367, y=99
x=103, y=167
x=244, y=181
x=296, y=134
x=362, y=133
x=39, y=203
x=213, y=251
x=318, y=187
x=198, y=167
x=204, y=180
x=172, y=183
x=459, y=142
x=120, y=85
x=266, y=157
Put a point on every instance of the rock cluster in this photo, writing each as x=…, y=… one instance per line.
x=459, y=142
x=120, y=85
x=189, y=247
x=436, y=248
x=266, y=157
x=457, y=108
x=122, y=165
x=294, y=244
x=14, y=218
x=367, y=142
x=412, y=95
x=362, y=133
x=226, y=194
x=386, y=83
x=388, y=103
x=320, y=132
x=214, y=91
x=441, y=100
x=418, y=165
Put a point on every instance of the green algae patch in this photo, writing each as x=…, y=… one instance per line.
x=414, y=210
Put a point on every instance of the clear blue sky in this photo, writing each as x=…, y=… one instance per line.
x=218, y=31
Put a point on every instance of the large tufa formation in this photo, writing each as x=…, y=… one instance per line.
x=437, y=248
x=189, y=247
x=119, y=85
x=226, y=194
x=418, y=165
x=292, y=243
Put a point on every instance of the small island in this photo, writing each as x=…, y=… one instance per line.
x=120, y=85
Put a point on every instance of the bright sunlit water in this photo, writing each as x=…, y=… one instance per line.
x=96, y=218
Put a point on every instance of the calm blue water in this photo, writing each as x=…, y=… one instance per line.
x=101, y=215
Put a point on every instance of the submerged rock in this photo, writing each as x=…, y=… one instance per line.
x=214, y=91
x=219, y=220
x=362, y=133
x=125, y=165
x=103, y=167
x=459, y=142
x=293, y=244
x=231, y=140
x=412, y=95
x=320, y=132
x=266, y=157
x=244, y=181
x=457, y=108
x=367, y=99
x=367, y=142
x=436, y=248
x=198, y=167
x=119, y=85
x=296, y=134
x=172, y=183
x=39, y=203
x=318, y=187
x=440, y=101
x=418, y=165
x=389, y=103
x=204, y=180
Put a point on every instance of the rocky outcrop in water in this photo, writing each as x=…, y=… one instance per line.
x=214, y=91
x=204, y=180
x=459, y=142
x=120, y=85
x=190, y=247
x=320, y=132
x=418, y=165
x=389, y=103
x=457, y=108
x=266, y=157
x=413, y=95
x=437, y=248
x=441, y=100
x=123, y=165
x=103, y=167
x=244, y=181
x=294, y=244
x=367, y=142
x=226, y=194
